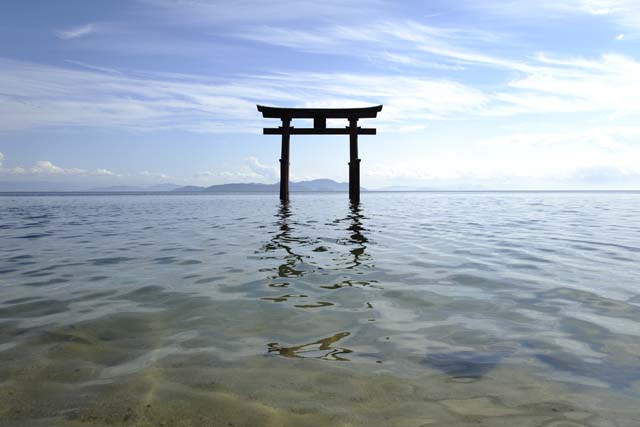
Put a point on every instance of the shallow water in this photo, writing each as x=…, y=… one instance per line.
x=413, y=309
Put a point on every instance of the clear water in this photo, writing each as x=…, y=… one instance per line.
x=414, y=309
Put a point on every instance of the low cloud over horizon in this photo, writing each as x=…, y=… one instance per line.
x=46, y=176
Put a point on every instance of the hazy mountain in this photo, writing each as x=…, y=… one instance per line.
x=302, y=186
x=163, y=187
x=232, y=188
x=189, y=188
x=319, y=185
x=47, y=186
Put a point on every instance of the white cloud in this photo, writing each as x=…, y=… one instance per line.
x=605, y=176
x=252, y=171
x=410, y=129
x=155, y=175
x=76, y=32
x=591, y=7
x=591, y=158
x=560, y=154
x=46, y=169
x=269, y=173
x=625, y=13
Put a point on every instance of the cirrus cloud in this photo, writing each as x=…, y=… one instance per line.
x=76, y=32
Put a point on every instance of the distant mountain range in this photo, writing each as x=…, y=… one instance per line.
x=20, y=186
x=327, y=185
x=302, y=186
x=44, y=186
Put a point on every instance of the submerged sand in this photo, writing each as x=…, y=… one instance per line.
x=198, y=390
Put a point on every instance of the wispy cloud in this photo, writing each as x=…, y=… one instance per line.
x=607, y=84
x=225, y=12
x=34, y=95
x=625, y=13
x=592, y=7
x=76, y=32
x=40, y=96
x=407, y=42
x=92, y=67
x=534, y=83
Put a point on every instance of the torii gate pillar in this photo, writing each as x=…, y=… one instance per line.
x=354, y=162
x=320, y=116
x=284, y=160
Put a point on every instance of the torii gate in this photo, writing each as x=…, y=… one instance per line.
x=320, y=116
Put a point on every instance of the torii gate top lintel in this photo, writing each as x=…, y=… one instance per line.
x=312, y=113
x=320, y=116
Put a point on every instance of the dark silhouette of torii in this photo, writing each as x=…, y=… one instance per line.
x=320, y=116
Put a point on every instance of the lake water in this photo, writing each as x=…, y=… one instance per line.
x=412, y=309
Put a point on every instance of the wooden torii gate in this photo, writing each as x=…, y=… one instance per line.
x=320, y=116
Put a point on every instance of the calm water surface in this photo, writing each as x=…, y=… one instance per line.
x=424, y=309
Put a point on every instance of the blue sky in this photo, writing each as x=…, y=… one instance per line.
x=498, y=94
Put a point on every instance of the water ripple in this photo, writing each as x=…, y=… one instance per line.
x=468, y=290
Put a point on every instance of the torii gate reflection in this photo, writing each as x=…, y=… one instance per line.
x=291, y=248
x=320, y=116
